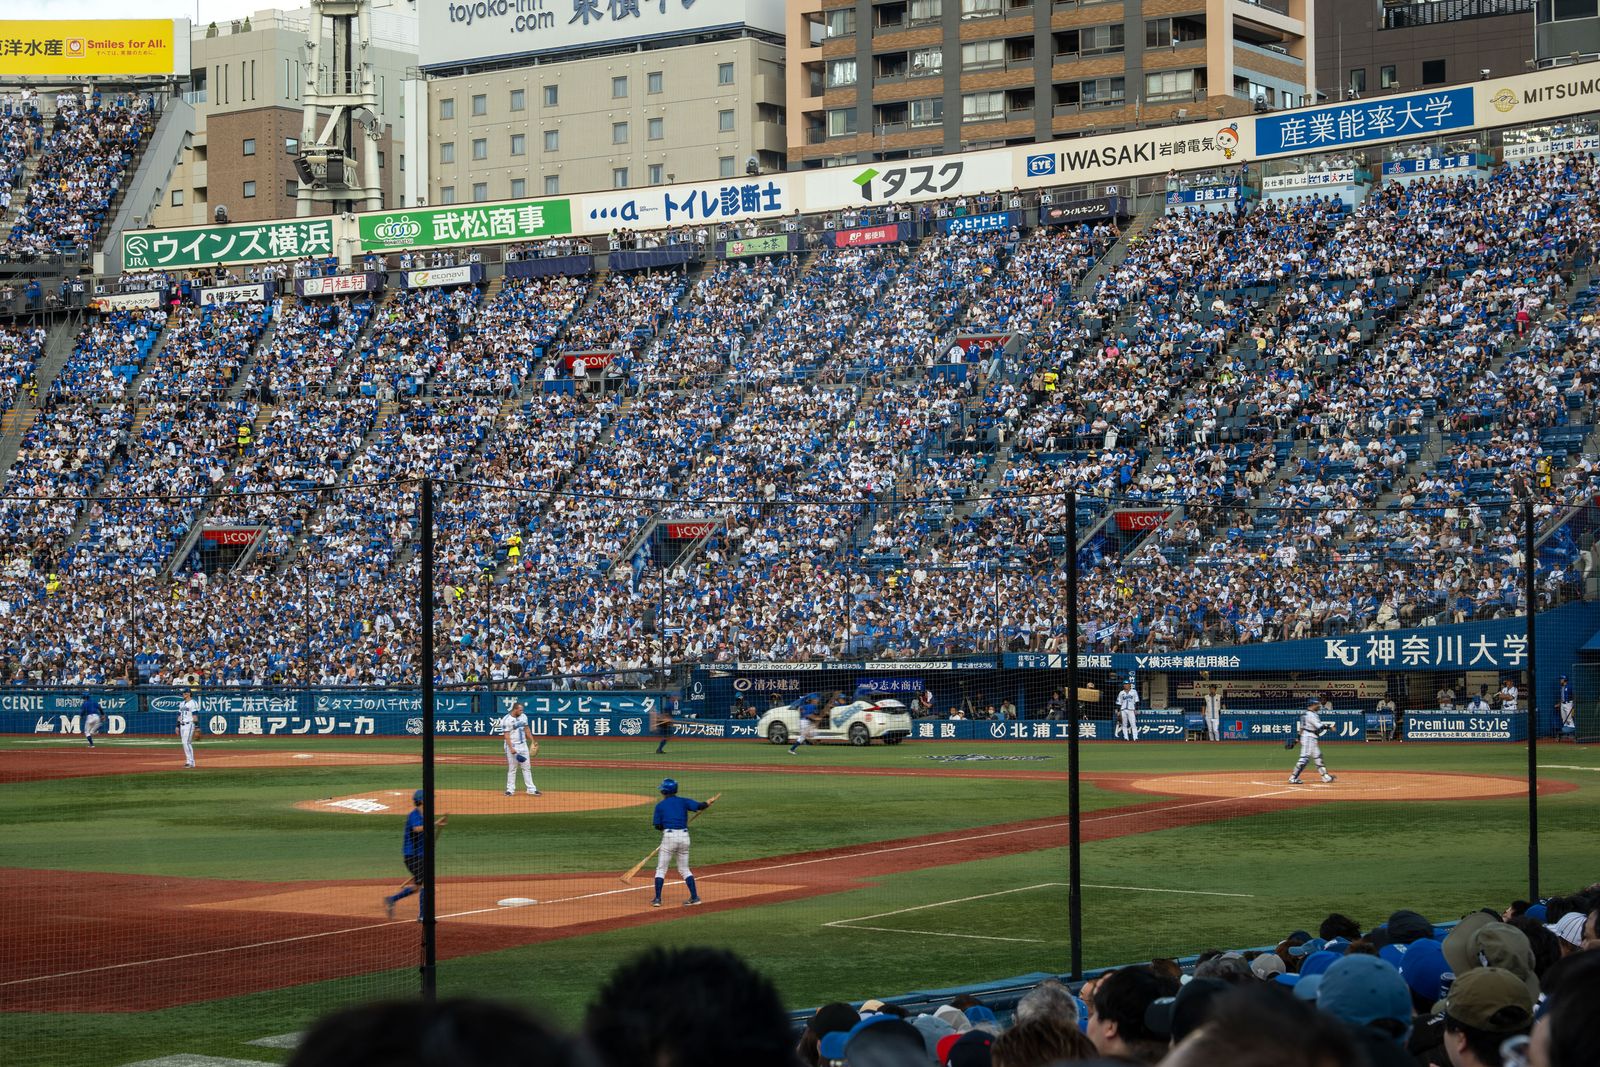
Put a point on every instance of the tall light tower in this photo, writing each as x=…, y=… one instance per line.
x=338, y=160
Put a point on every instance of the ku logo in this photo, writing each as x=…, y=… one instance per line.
x=1335, y=648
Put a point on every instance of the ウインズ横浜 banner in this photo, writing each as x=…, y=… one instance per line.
x=204, y=246
x=464, y=224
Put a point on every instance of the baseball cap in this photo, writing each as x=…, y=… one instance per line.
x=941, y=1051
x=954, y=1016
x=1491, y=999
x=1537, y=912
x=1424, y=969
x=832, y=1017
x=1394, y=953
x=1266, y=965
x=1363, y=989
x=933, y=1030
x=1457, y=943
x=1176, y=1017
x=1318, y=962
x=1407, y=926
x=416, y=798
x=983, y=1018
x=1501, y=945
x=1315, y=944
x=871, y=1007
x=971, y=1050
x=1569, y=928
x=883, y=1029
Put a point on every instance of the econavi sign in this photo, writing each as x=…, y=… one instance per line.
x=474, y=31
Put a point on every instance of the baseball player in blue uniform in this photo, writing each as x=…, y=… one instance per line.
x=1566, y=700
x=1311, y=730
x=672, y=819
x=411, y=853
x=92, y=717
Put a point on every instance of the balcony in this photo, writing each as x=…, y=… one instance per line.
x=1405, y=16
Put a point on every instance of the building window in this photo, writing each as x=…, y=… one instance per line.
x=724, y=73
x=1572, y=9
x=976, y=106
x=249, y=190
x=927, y=112
x=724, y=166
x=1358, y=80
x=655, y=129
x=841, y=22
x=1103, y=92
x=447, y=195
x=480, y=148
x=552, y=140
x=552, y=95
x=1090, y=41
x=480, y=104
x=1169, y=85
x=380, y=161
x=925, y=10
x=177, y=196
x=841, y=121
x=619, y=177
x=725, y=121
x=291, y=189
x=654, y=82
x=291, y=146
x=519, y=188
x=619, y=88
x=972, y=9
x=480, y=192
x=1433, y=72
x=841, y=72
x=1386, y=78
x=552, y=184
x=654, y=173
x=981, y=54
x=447, y=109
x=249, y=146
x=926, y=61
x=519, y=144
x=619, y=133
x=1161, y=33
x=447, y=152
x=519, y=100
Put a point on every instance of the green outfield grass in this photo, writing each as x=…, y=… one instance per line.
x=1239, y=881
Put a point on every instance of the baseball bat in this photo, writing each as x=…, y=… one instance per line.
x=638, y=866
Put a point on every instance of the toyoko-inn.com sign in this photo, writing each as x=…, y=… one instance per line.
x=461, y=31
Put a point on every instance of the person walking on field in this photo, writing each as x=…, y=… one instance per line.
x=411, y=855
x=188, y=715
x=1311, y=730
x=514, y=734
x=672, y=819
x=92, y=717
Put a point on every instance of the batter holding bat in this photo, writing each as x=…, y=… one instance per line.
x=519, y=746
x=672, y=817
x=1311, y=730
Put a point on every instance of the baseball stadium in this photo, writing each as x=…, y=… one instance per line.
x=1129, y=595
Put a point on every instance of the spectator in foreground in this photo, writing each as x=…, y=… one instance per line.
x=1048, y=1000
x=1485, y=1008
x=687, y=1007
x=1568, y=1030
x=1040, y=1042
x=450, y=1033
x=1260, y=1026
x=1117, y=1014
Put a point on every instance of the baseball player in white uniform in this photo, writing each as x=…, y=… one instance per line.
x=188, y=716
x=1508, y=695
x=1311, y=730
x=513, y=730
x=1212, y=713
x=1127, y=713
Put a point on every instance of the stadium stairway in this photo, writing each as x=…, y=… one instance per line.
x=1154, y=209
x=386, y=411
x=60, y=337
x=263, y=344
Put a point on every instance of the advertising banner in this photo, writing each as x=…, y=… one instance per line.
x=1463, y=161
x=1557, y=146
x=688, y=531
x=258, y=293
x=923, y=179
x=87, y=48
x=868, y=235
x=203, y=246
x=436, y=277
x=1130, y=521
x=994, y=220
x=475, y=224
x=337, y=283
x=580, y=362
x=756, y=246
x=231, y=536
x=150, y=298
x=1307, y=179
x=1461, y=726
x=678, y=205
x=1209, y=194
x=1361, y=121
x=1096, y=210
x=480, y=31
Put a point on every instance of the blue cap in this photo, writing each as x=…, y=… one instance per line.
x=1394, y=953
x=1315, y=944
x=416, y=798
x=1424, y=969
x=1308, y=987
x=1338, y=944
x=979, y=1013
x=1363, y=989
x=1538, y=913
x=1318, y=962
x=832, y=1046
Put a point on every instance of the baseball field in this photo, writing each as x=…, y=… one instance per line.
x=157, y=912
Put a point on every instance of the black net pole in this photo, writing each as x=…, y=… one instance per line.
x=429, y=897
x=1075, y=837
x=1530, y=591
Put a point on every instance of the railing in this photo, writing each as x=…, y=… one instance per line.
x=1442, y=11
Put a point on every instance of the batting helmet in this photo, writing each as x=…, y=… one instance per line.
x=669, y=786
x=416, y=798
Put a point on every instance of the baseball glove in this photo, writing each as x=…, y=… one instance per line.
x=533, y=748
x=1288, y=742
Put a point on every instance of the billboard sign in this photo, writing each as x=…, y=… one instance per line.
x=204, y=246
x=89, y=48
x=467, y=224
x=756, y=246
x=679, y=205
x=463, y=31
x=1362, y=121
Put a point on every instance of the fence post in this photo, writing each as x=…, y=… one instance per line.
x=1074, y=838
x=1530, y=592
x=429, y=896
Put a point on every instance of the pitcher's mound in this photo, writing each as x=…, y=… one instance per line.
x=476, y=802
x=1352, y=785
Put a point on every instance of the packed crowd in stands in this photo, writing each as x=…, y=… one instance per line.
x=1338, y=407
x=1512, y=985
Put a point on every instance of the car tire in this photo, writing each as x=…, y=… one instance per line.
x=859, y=735
x=778, y=734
